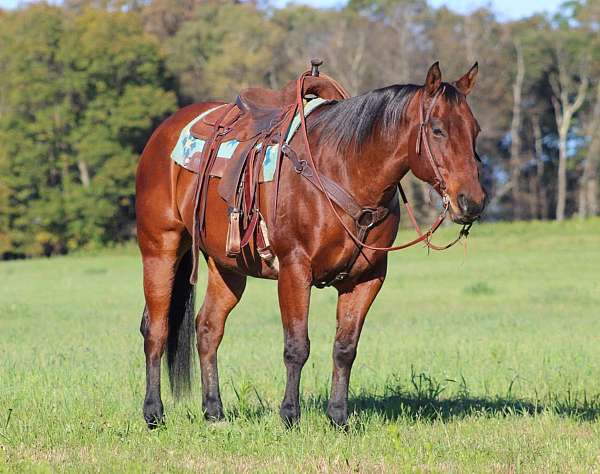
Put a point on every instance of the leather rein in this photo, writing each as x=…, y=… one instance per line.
x=365, y=217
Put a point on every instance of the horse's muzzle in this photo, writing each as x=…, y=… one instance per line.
x=466, y=210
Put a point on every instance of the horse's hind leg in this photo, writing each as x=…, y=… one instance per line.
x=167, y=322
x=224, y=290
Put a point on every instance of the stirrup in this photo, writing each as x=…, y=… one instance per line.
x=233, y=242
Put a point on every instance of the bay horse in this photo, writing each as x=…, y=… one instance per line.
x=366, y=144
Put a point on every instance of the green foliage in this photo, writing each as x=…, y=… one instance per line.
x=82, y=85
x=222, y=50
x=80, y=95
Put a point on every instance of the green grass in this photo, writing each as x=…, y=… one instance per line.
x=476, y=363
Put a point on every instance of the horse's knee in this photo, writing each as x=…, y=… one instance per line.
x=344, y=352
x=296, y=352
x=155, y=337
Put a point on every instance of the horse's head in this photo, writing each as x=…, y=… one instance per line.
x=444, y=153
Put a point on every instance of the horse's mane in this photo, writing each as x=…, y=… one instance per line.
x=351, y=122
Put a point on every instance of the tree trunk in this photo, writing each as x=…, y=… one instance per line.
x=540, y=192
x=561, y=196
x=515, y=135
x=588, y=189
x=84, y=173
x=564, y=110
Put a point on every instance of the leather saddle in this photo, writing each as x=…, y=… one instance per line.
x=258, y=110
x=266, y=107
x=259, y=116
x=258, y=119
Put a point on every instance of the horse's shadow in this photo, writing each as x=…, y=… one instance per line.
x=406, y=406
x=421, y=399
x=415, y=407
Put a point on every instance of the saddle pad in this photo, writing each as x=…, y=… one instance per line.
x=187, y=146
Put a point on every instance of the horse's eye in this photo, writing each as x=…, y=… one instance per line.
x=438, y=132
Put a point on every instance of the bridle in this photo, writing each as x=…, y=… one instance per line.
x=423, y=141
x=422, y=144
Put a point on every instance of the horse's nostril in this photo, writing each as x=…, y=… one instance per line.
x=463, y=202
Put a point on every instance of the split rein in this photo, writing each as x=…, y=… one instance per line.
x=422, y=143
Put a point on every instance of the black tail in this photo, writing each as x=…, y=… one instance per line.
x=180, y=342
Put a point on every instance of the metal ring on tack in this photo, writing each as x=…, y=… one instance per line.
x=371, y=214
x=300, y=167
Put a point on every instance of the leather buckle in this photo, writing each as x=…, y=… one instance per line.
x=368, y=213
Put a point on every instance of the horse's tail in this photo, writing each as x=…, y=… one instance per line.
x=180, y=341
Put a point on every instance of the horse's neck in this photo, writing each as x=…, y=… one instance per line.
x=372, y=174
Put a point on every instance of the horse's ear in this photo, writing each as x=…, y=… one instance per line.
x=466, y=83
x=433, y=79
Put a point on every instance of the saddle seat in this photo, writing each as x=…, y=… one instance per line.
x=266, y=108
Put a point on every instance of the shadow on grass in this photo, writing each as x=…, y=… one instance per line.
x=412, y=406
x=420, y=398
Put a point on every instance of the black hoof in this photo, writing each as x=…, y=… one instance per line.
x=213, y=411
x=289, y=415
x=214, y=414
x=338, y=417
x=154, y=414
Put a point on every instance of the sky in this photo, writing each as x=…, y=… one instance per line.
x=505, y=9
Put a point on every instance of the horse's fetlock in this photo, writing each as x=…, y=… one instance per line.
x=213, y=409
x=289, y=413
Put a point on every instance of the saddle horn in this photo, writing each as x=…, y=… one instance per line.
x=315, y=63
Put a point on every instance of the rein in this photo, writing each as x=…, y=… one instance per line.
x=440, y=184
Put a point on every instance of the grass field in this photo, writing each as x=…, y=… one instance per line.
x=489, y=362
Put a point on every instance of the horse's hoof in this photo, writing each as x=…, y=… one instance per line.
x=289, y=415
x=154, y=414
x=338, y=417
x=213, y=412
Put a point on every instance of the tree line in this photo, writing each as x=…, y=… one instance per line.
x=84, y=83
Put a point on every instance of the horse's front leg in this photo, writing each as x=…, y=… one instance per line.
x=353, y=304
x=294, y=297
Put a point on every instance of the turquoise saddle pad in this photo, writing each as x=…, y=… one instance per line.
x=187, y=145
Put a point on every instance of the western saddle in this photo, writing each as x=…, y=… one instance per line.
x=258, y=119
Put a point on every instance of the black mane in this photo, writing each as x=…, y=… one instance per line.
x=351, y=122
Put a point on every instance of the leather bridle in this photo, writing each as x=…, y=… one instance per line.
x=422, y=144
x=423, y=141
